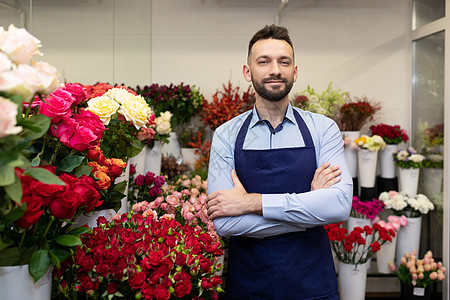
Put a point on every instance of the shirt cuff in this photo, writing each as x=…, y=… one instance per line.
x=273, y=206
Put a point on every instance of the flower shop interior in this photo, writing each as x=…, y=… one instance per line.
x=386, y=61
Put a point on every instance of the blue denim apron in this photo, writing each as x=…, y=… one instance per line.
x=289, y=266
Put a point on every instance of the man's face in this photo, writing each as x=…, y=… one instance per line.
x=271, y=69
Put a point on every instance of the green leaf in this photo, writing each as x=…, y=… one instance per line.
x=79, y=230
x=7, y=175
x=36, y=161
x=68, y=240
x=70, y=162
x=35, y=126
x=120, y=187
x=55, y=260
x=39, y=264
x=60, y=254
x=44, y=176
x=82, y=170
x=14, y=190
x=15, y=213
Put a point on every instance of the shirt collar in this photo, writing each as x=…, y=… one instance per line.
x=289, y=115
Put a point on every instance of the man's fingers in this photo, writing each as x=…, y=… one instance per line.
x=235, y=178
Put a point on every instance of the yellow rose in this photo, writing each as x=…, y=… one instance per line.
x=135, y=111
x=104, y=107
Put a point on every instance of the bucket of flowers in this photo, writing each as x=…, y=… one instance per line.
x=353, y=255
x=409, y=163
x=416, y=275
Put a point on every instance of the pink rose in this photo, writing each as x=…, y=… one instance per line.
x=57, y=105
x=146, y=134
x=173, y=200
x=78, y=92
x=19, y=45
x=159, y=200
x=164, y=206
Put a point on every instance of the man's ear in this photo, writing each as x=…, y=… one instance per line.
x=295, y=73
x=247, y=73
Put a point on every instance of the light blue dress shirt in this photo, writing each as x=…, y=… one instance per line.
x=282, y=213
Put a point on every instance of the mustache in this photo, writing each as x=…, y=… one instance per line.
x=265, y=80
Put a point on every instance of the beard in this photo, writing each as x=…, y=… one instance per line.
x=276, y=94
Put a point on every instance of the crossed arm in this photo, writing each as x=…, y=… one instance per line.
x=237, y=202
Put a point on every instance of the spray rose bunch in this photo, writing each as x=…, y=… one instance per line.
x=138, y=257
x=419, y=272
x=144, y=187
x=401, y=204
x=351, y=247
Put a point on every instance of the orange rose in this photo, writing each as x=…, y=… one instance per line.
x=104, y=180
x=115, y=166
x=96, y=167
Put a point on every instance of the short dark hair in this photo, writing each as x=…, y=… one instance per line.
x=270, y=32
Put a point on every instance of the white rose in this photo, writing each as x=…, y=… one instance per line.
x=417, y=158
x=163, y=127
x=23, y=81
x=5, y=63
x=401, y=155
x=8, y=121
x=49, y=77
x=104, y=107
x=19, y=45
x=166, y=116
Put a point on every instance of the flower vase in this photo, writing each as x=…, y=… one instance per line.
x=353, y=222
x=172, y=148
x=367, y=167
x=189, y=155
x=124, y=177
x=148, y=160
x=387, y=164
x=410, y=292
x=431, y=181
x=408, y=238
x=17, y=283
x=408, y=181
x=350, y=151
x=91, y=218
x=352, y=281
x=385, y=255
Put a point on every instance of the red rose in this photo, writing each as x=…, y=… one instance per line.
x=180, y=259
x=205, y=265
x=65, y=206
x=47, y=192
x=32, y=214
x=161, y=293
x=89, y=196
x=182, y=288
x=206, y=285
x=112, y=288
x=215, y=280
x=88, y=284
x=137, y=280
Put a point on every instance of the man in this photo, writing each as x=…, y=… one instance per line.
x=266, y=190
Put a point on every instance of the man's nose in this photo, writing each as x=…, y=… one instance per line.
x=275, y=68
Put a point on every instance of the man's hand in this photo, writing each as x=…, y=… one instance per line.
x=325, y=176
x=233, y=202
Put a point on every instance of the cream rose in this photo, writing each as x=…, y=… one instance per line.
x=135, y=111
x=5, y=63
x=104, y=107
x=166, y=116
x=48, y=75
x=8, y=121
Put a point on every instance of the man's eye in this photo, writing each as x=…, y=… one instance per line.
x=285, y=62
x=262, y=62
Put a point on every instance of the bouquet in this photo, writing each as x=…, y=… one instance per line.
x=124, y=113
x=401, y=204
x=350, y=248
x=140, y=257
x=366, y=209
x=325, y=103
x=393, y=222
x=353, y=115
x=419, y=272
x=432, y=158
x=226, y=105
x=392, y=135
x=408, y=159
x=156, y=129
x=183, y=101
x=373, y=143
x=144, y=187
